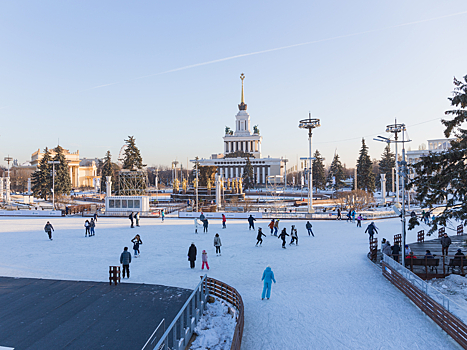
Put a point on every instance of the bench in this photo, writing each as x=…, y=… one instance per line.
x=456, y=263
x=431, y=262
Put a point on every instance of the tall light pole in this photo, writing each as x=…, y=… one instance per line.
x=309, y=124
x=7, y=181
x=402, y=167
x=53, y=162
x=285, y=160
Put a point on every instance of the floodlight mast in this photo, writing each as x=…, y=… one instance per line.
x=309, y=124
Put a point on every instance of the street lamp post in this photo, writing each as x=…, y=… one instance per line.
x=53, y=162
x=309, y=124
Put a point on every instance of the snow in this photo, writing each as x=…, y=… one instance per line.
x=328, y=295
x=215, y=328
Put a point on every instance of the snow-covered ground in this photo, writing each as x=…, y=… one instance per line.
x=327, y=296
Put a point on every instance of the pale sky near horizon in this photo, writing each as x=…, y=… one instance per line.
x=91, y=73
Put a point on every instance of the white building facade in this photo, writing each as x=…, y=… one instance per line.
x=240, y=145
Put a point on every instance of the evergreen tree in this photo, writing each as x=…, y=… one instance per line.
x=41, y=179
x=336, y=173
x=387, y=162
x=319, y=172
x=442, y=176
x=62, y=173
x=248, y=177
x=365, y=176
x=132, y=158
x=107, y=170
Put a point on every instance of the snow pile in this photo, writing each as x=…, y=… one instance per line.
x=215, y=328
x=453, y=286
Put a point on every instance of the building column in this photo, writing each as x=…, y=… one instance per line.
x=258, y=180
x=236, y=171
x=269, y=170
x=231, y=172
x=220, y=171
x=241, y=172
x=264, y=175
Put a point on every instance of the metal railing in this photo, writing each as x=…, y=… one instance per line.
x=446, y=303
x=150, y=343
x=179, y=332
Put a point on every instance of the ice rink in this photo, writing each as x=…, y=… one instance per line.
x=328, y=295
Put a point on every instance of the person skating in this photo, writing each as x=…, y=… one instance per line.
x=131, y=219
x=294, y=235
x=92, y=226
x=95, y=216
x=371, y=229
x=349, y=216
x=205, y=225
x=204, y=259
x=308, y=227
x=217, y=244
x=276, y=227
x=125, y=260
x=137, y=218
x=268, y=278
x=49, y=228
x=353, y=215
x=224, y=220
x=251, y=222
x=282, y=236
x=258, y=237
x=196, y=225
x=192, y=255
x=136, y=242
x=202, y=217
x=339, y=215
x=359, y=220
x=271, y=226
x=86, y=228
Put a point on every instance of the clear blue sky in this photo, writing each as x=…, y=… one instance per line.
x=58, y=57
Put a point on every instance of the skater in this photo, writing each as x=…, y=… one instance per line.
x=371, y=229
x=294, y=235
x=95, y=216
x=204, y=259
x=308, y=227
x=224, y=220
x=202, y=217
x=445, y=243
x=217, y=244
x=131, y=219
x=268, y=278
x=271, y=226
x=92, y=226
x=205, y=225
x=125, y=260
x=353, y=215
x=276, y=227
x=137, y=218
x=359, y=220
x=86, y=228
x=136, y=242
x=192, y=255
x=349, y=214
x=49, y=228
x=258, y=237
x=282, y=236
x=339, y=215
x=251, y=222
x=163, y=215
x=196, y=225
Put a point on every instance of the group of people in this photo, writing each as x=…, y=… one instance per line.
x=89, y=228
x=134, y=217
x=192, y=253
x=205, y=223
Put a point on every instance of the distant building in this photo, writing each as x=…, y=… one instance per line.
x=434, y=146
x=82, y=171
x=240, y=145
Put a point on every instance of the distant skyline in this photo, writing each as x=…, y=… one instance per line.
x=91, y=74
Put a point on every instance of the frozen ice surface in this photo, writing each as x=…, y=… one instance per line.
x=327, y=296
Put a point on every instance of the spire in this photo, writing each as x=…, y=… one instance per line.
x=242, y=105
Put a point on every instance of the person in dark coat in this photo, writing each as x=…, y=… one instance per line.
x=282, y=236
x=459, y=255
x=95, y=216
x=294, y=235
x=339, y=215
x=251, y=222
x=259, y=237
x=136, y=242
x=205, y=225
x=192, y=255
x=49, y=228
x=395, y=251
x=308, y=227
x=445, y=243
x=92, y=226
x=371, y=229
x=131, y=219
x=125, y=260
x=428, y=254
x=87, y=226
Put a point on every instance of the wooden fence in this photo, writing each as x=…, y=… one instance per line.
x=229, y=294
x=443, y=318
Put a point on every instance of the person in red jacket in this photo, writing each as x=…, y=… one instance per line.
x=223, y=221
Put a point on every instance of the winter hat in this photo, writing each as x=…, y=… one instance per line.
x=459, y=250
x=204, y=252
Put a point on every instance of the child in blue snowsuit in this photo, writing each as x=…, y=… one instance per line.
x=268, y=278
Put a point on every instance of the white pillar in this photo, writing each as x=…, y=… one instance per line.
x=108, y=188
x=29, y=186
x=231, y=172
x=236, y=171
x=220, y=171
x=264, y=175
x=258, y=180
x=7, y=190
x=241, y=172
x=244, y=146
x=383, y=187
